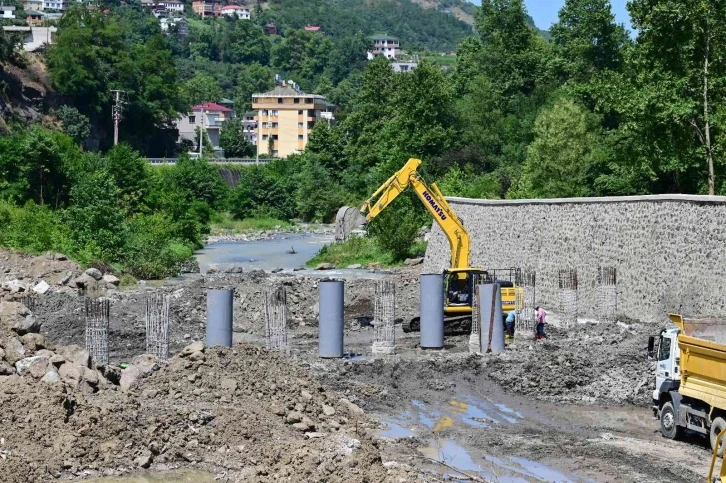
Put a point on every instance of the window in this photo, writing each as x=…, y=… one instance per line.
x=308, y=101
x=275, y=152
x=300, y=137
x=299, y=113
x=274, y=125
x=297, y=100
x=192, y=119
x=264, y=137
x=279, y=100
x=265, y=112
x=274, y=136
x=275, y=112
x=264, y=125
x=664, y=351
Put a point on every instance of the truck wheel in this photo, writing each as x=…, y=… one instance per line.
x=669, y=423
x=717, y=426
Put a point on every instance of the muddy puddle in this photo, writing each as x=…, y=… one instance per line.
x=457, y=463
x=171, y=476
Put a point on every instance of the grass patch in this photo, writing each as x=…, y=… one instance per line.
x=360, y=251
x=224, y=224
x=443, y=60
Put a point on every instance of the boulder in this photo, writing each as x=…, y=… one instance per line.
x=235, y=269
x=228, y=385
x=75, y=355
x=36, y=366
x=35, y=342
x=71, y=374
x=413, y=261
x=51, y=377
x=83, y=281
x=94, y=273
x=324, y=266
x=6, y=369
x=140, y=367
x=111, y=279
x=328, y=410
x=16, y=316
x=192, y=348
x=14, y=286
x=66, y=278
x=42, y=287
x=355, y=266
x=14, y=350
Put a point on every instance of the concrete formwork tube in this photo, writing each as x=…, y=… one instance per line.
x=219, y=317
x=432, y=311
x=487, y=294
x=496, y=345
x=330, y=327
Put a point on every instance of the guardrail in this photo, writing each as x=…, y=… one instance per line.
x=244, y=161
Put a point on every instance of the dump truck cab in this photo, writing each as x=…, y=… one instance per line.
x=664, y=349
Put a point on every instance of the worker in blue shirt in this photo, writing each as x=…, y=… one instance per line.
x=509, y=325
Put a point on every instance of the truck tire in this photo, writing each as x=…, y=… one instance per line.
x=717, y=426
x=669, y=422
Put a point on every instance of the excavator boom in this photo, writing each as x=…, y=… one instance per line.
x=434, y=202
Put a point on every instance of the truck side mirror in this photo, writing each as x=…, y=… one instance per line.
x=651, y=347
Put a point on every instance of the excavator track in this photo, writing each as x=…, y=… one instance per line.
x=452, y=325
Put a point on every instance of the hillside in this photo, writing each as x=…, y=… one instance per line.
x=420, y=24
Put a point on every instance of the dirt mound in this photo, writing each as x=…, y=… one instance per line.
x=241, y=411
x=590, y=363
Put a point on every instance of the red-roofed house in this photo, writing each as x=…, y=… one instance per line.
x=208, y=116
x=242, y=12
x=313, y=28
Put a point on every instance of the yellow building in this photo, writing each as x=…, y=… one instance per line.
x=285, y=117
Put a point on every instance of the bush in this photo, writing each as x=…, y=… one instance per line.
x=32, y=228
x=397, y=227
x=152, y=251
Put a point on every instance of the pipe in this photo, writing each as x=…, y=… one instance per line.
x=330, y=327
x=492, y=322
x=219, y=317
x=432, y=310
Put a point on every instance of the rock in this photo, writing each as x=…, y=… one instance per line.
x=35, y=342
x=276, y=270
x=212, y=270
x=66, y=278
x=14, y=286
x=298, y=269
x=355, y=266
x=328, y=410
x=301, y=427
x=325, y=266
x=23, y=365
x=373, y=266
x=71, y=374
x=192, y=348
x=39, y=366
x=42, y=287
x=235, y=269
x=90, y=376
x=57, y=360
x=16, y=316
x=14, y=350
x=306, y=396
x=51, y=377
x=313, y=435
x=111, y=279
x=413, y=261
x=144, y=460
x=294, y=417
x=352, y=408
x=197, y=356
x=278, y=410
x=6, y=369
x=229, y=385
x=75, y=355
x=94, y=273
x=140, y=367
x=83, y=281
x=149, y=393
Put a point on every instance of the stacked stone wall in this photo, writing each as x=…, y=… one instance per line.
x=669, y=250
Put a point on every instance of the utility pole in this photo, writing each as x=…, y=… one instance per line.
x=116, y=114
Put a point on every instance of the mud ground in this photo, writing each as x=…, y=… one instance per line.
x=573, y=408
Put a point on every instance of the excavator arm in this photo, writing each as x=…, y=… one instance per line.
x=434, y=202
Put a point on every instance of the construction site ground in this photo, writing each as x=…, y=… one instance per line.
x=572, y=408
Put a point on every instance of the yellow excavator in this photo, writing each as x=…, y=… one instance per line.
x=460, y=279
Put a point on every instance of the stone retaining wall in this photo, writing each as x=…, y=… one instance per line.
x=669, y=250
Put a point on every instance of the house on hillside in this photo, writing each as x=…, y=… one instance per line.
x=180, y=23
x=7, y=11
x=54, y=5
x=208, y=116
x=285, y=117
x=172, y=6
x=249, y=126
x=384, y=45
x=206, y=8
x=36, y=5
x=270, y=29
x=313, y=28
x=404, y=66
x=242, y=12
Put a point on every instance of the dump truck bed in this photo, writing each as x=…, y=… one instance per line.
x=703, y=358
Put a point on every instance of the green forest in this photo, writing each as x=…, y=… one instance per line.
x=585, y=109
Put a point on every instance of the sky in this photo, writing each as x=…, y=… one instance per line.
x=544, y=12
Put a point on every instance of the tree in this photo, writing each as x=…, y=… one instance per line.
x=681, y=76
x=587, y=40
x=201, y=88
x=252, y=78
x=75, y=124
x=129, y=172
x=559, y=158
x=233, y=140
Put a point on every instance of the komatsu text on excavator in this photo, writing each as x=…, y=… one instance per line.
x=460, y=279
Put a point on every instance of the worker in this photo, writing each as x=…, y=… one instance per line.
x=541, y=319
x=509, y=325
